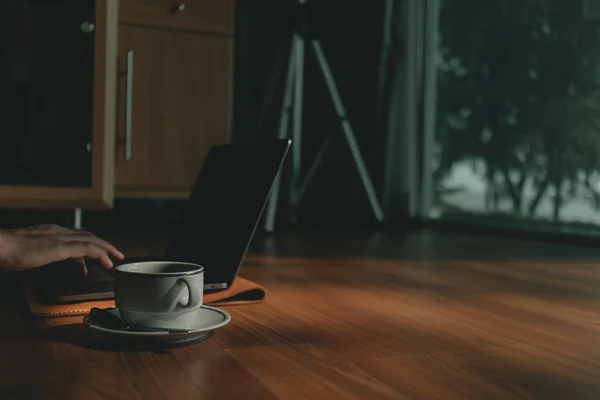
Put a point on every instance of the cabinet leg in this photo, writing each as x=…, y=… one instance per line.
x=78, y=217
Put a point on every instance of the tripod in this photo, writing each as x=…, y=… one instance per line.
x=292, y=100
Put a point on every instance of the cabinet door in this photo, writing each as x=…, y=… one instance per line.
x=174, y=104
x=58, y=70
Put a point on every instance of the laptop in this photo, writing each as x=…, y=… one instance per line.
x=215, y=230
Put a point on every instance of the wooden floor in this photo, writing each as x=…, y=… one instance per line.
x=351, y=316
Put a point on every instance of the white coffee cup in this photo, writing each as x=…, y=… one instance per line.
x=159, y=294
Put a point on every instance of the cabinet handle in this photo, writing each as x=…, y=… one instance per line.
x=87, y=27
x=179, y=8
x=128, y=105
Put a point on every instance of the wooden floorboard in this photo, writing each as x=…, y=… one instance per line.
x=350, y=316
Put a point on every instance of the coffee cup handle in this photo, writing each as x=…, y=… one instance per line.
x=194, y=298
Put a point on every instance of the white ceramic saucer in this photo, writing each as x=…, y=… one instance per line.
x=207, y=320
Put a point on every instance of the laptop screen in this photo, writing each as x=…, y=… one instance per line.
x=225, y=206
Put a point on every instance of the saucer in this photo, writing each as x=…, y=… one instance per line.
x=207, y=320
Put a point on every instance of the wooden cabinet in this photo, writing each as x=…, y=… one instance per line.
x=110, y=98
x=57, y=119
x=174, y=97
x=208, y=16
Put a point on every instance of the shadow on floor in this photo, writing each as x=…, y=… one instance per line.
x=81, y=336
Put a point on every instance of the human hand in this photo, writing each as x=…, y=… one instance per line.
x=33, y=247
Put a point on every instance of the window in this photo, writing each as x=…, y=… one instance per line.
x=517, y=121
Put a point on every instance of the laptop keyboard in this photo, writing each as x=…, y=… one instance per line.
x=65, y=272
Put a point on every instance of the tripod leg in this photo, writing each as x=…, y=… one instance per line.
x=283, y=130
x=297, y=122
x=316, y=164
x=347, y=130
x=275, y=76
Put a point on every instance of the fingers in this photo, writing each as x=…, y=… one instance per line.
x=82, y=249
x=78, y=237
x=81, y=235
x=81, y=261
x=43, y=244
x=68, y=235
